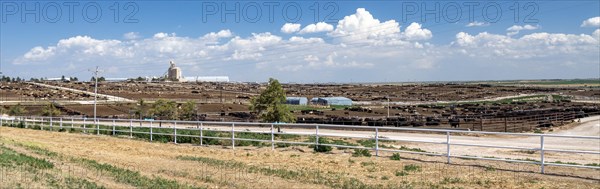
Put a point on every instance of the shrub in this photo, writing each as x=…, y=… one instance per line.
x=21, y=124
x=401, y=173
x=361, y=152
x=282, y=145
x=322, y=148
x=412, y=167
x=395, y=156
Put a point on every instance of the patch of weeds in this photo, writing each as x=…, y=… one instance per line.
x=532, y=181
x=282, y=145
x=322, y=148
x=490, y=168
x=401, y=173
x=412, y=167
x=395, y=156
x=310, y=176
x=527, y=151
x=411, y=149
x=367, y=163
x=351, y=161
x=342, y=143
x=448, y=180
x=294, y=155
x=81, y=183
x=133, y=177
x=538, y=131
x=568, y=163
x=361, y=152
x=9, y=158
x=385, y=178
x=485, y=182
x=369, y=143
x=593, y=164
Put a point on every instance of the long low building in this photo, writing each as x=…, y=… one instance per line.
x=207, y=79
x=336, y=101
x=296, y=100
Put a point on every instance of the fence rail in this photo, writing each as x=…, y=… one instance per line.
x=198, y=129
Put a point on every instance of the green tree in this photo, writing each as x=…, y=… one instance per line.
x=270, y=104
x=188, y=111
x=164, y=109
x=17, y=110
x=50, y=110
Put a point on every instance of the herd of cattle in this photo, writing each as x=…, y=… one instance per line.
x=468, y=116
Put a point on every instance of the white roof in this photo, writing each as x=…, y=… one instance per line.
x=207, y=79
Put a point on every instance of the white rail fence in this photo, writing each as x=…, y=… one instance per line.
x=131, y=127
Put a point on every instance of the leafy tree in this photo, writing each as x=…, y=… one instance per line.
x=188, y=111
x=164, y=109
x=5, y=79
x=17, y=110
x=270, y=104
x=62, y=78
x=100, y=79
x=50, y=110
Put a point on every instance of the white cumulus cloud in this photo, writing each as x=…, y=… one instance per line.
x=315, y=28
x=363, y=26
x=515, y=29
x=414, y=32
x=131, y=35
x=591, y=22
x=363, y=48
x=290, y=28
x=477, y=23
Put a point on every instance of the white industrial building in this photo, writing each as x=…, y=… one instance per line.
x=174, y=73
x=207, y=79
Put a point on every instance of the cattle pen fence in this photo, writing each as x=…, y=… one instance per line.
x=268, y=134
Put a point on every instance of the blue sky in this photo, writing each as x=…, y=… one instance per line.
x=358, y=41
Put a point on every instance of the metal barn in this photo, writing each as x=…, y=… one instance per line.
x=296, y=100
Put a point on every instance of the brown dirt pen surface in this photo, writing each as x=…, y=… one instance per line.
x=183, y=166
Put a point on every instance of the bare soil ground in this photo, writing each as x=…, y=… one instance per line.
x=250, y=167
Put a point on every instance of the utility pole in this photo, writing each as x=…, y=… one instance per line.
x=388, y=106
x=95, y=90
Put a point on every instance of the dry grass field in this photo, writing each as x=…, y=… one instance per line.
x=42, y=159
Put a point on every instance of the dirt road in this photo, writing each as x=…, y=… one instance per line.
x=108, y=97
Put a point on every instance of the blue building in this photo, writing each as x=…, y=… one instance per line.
x=296, y=100
x=336, y=101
